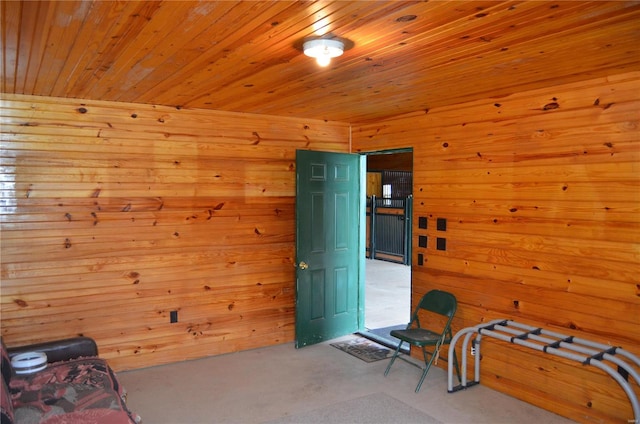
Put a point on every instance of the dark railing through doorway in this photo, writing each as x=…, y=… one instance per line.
x=389, y=229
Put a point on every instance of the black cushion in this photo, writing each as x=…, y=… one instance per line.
x=60, y=350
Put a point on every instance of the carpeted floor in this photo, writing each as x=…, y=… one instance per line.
x=281, y=382
x=373, y=408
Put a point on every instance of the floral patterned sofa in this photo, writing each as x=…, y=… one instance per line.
x=75, y=387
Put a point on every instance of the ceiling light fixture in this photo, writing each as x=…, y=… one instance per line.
x=323, y=49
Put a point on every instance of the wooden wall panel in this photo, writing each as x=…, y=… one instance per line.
x=541, y=192
x=115, y=214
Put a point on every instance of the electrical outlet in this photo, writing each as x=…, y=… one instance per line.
x=173, y=317
x=473, y=351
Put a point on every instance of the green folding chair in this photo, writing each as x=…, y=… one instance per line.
x=438, y=302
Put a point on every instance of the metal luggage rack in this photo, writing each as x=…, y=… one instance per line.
x=568, y=347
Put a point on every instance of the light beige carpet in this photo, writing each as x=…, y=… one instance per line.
x=378, y=408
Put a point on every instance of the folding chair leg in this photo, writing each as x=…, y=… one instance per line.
x=393, y=358
x=426, y=368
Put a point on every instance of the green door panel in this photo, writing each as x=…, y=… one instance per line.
x=329, y=208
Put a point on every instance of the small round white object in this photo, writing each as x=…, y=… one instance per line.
x=29, y=362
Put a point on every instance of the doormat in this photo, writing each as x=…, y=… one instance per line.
x=363, y=349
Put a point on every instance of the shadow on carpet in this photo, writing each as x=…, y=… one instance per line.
x=374, y=408
x=364, y=349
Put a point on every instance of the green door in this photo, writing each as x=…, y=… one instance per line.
x=329, y=245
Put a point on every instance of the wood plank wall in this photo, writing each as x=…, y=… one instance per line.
x=541, y=193
x=115, y=214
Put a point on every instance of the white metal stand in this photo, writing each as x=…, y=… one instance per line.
x=588, y=353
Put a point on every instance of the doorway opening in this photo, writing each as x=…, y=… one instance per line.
x=388, y=254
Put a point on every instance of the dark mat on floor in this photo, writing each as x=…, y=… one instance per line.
x=383, y=336
x=364, y=349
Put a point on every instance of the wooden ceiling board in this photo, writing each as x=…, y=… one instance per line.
x=58, y=31
x=187, y=62
x=219, y=72
x=166, y=50
x=398, y=72
x=245, y=56
x=260, y=78
x=125, y=30
x=340, y=82
x=11, y=18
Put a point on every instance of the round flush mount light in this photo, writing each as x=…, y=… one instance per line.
x=323, y=49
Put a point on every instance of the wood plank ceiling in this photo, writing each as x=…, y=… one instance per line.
x=245, y=56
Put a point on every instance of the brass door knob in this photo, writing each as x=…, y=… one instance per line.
x=303, y=265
